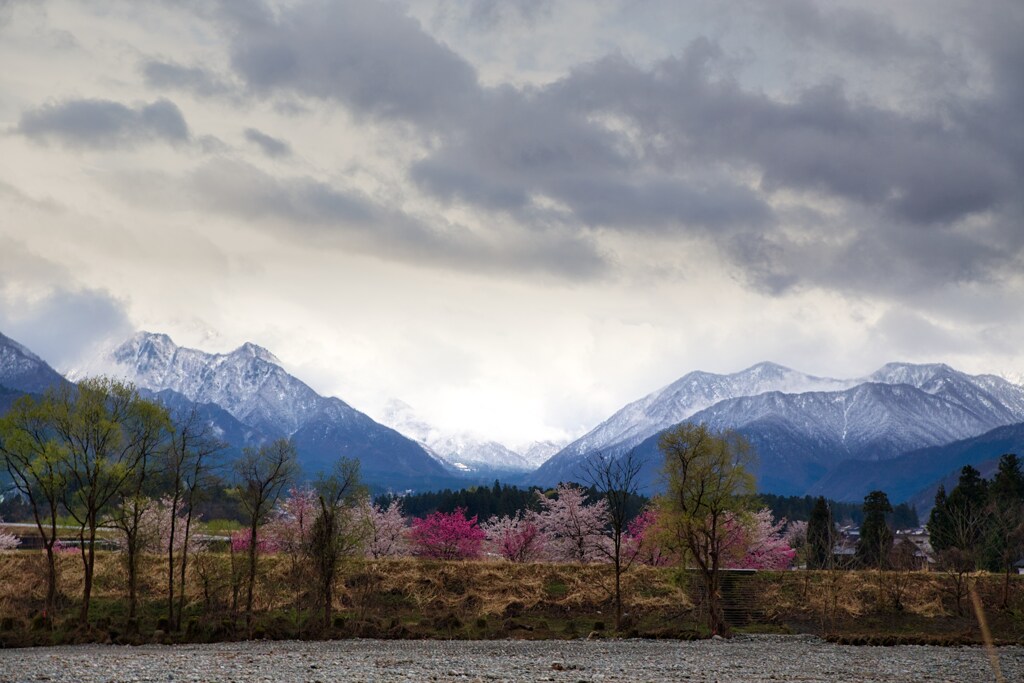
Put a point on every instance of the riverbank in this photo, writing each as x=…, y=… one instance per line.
x=743, y=659
x=409, y=599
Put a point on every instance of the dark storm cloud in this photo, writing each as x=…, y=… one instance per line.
x=171, y=76
x=364, y=53
x=105, y=123
x=680, y=147
x=271, y=146
x=310, y=211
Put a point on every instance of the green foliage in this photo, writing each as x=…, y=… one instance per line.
x=481, y=501
x=708, y=482
x=875, y=535
x=820, y=536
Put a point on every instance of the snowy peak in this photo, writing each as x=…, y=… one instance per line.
x=23, y=370
x=252, y=386
x=248, y=382
x=461, y=450
x=689, y=394
x=916, y=375
x=251, y=350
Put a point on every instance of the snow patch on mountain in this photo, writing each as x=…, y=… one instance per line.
x=462, y=450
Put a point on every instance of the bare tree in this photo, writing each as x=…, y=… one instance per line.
x=338, y=530
x=262, y=475
x=617, y=480
x=186, y=461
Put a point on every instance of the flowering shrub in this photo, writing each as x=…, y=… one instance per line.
x=517, y=538
x=385, y=530
x=291, y=523
x=8, y=541
x=756, y=542
x=640, y=542
x=446, y=536
x=575, y=529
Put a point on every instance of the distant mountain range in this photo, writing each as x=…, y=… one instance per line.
x=901, y=429
x=265, y=402
x=805, y=427
x=463, y=450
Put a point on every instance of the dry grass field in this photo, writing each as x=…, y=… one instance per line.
x=410, y=598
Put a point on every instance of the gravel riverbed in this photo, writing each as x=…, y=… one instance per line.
x=742, y=659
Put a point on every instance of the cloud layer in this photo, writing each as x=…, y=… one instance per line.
x=598, y=196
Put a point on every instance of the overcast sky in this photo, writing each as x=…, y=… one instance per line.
x=517, y=215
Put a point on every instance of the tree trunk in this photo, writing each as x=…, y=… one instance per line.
x=50, y=609
x=252, y=580
x=133, y=573
x=184, y=566
x=170, y=563
x=89, y=558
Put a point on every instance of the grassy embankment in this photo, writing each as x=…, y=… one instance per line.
x=410, y=598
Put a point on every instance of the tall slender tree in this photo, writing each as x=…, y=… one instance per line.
x=617, y=480
x=186, y=462
x=338, y=529
x=708, y=483
x=876, y=537
x=820, y=536
x=262, y=474
x=38, y=466
x=1004, y=544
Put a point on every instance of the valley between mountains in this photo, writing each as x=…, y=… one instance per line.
x=903, y=428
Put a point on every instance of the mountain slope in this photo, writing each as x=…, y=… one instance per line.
x=674, y=403
x=250, y=384
x=905, y=476
x=22, y=370
x=800, y=437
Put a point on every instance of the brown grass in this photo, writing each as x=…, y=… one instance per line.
x=417, y=598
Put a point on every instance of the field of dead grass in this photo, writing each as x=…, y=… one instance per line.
x=410, y=598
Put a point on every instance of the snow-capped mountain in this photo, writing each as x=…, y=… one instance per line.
x=463, y=451
x=801, y=434
x=251, y=385
x=676, y=402
x=538, y=452
x=22, y=370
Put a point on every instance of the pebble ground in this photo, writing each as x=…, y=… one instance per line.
x=743, y=659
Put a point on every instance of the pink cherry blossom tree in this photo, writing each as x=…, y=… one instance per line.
x=447, y=536
x=640, y=542
x=517, y=538
x=288, y=529
x=385, y=528
x=575, y=529
x=756, y=541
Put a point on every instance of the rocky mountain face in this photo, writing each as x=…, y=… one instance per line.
x=250, y=384
x=801, y=433
x=23, y=371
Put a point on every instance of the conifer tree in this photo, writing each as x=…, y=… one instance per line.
x=875, y=536
x=820, y=536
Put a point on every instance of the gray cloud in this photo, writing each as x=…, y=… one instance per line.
x=271, y=146
x=172, y=76
x=105, y=123
x=67, y=324
x=65, y=321
x=364, y=53
x=681, y=148
x=310, y=211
